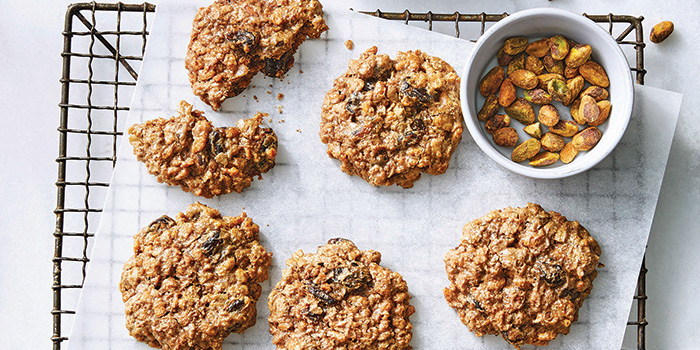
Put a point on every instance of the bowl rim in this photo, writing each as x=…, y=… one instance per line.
x=565, y=170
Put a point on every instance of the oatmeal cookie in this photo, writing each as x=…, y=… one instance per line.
x=234, y=39
x=194, y=279
x=340, y=298
x=521, y=273
x=387, y=121
x=186, y=150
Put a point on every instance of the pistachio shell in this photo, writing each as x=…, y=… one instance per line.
x=594, y=74
x=506, y=95
x=525, y=150
x=587, y=138
x=521, y=111
x=558, y=47
x=523, y=78
x=568, y=153
x=489, y=108
x=491, y=82
x=578, y=55
x=544, y=159
x=552, y=142
x=537, y=96
x=506, y=137
x=538, y=48
x=534, y=130
x=548, y=115
x=515, y=45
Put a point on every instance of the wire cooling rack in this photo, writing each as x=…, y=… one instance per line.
x=99, y=74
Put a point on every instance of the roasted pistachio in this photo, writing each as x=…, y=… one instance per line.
x=538, y=48
x=594, y=74
x=544, y=79
x=574, y=111
x=558, y=47
x=570, y=72
x=506, y=137
x=515, y=45
x=506, y=95
x=491, y=82
x=525, y=150
x=575, y=86
x=544, y=159
x=534, y=130
x=518, y=62
x=503, y=58
x=521, y=111
x=489, y=108
x=578, y=55
x=552, y=65
x=661, y=31
x=523, y=78
x=534, y=64
x=588, y=110
x=597, y=92
x=568, y=153
x=496, y=122
x=604, y=107
x=587, y=138
x=537, y=96
x=559, y=90
x=566, y=128
x=548, y=115
x=552, y=142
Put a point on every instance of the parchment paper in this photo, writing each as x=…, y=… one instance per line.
x=306, y=199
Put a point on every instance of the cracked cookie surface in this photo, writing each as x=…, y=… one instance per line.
x=232, y=41
x=188, y=151
x=522, y=273
x=389, y=120
x=340, y=298
x=193, y=279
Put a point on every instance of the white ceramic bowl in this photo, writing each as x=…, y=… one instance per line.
x=535, y=24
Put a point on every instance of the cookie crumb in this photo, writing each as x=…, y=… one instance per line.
x=349, y=44
x=279, y=109
x=299, y=131
x=280, y=96
x=301, y=71
x=255, y=98
x=268, y=92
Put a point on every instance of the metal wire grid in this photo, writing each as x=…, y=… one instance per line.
x=91, y=159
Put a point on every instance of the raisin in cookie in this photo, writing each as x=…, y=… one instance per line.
x=194, y=279
x=188, y=151
x=387, y=121
x=521, y=273
x=340, y=298
x=234, y=39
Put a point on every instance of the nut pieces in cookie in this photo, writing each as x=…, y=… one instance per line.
x=389, y=120
x=340, y=298
x=232, y=41
x=521, y=273
x=193, y=279
x=188, y=151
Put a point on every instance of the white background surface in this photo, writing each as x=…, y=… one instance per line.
x=30, y=67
